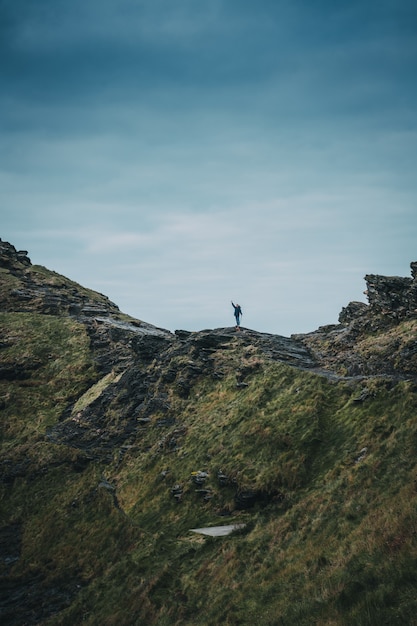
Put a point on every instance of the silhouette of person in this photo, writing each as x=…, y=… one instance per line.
x=238, y=314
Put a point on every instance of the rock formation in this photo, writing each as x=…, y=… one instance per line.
x=345, y=348
x=158, y=434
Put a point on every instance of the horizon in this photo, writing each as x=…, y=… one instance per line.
x=242, y=327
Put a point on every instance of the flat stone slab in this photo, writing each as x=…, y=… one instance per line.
x=217, y=531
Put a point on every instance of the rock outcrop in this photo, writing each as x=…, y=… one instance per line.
x=391, y=299
x=163, y=363
x=369, y=339
x=137, y=362
x=13, y=259
x=27, y=288
x=119, y=341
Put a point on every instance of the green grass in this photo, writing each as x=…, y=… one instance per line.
x=339, y=548
x=325, y=553
x=53, y=354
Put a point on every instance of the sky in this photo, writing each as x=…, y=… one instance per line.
x=175, y=155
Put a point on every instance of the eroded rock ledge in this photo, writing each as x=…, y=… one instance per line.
x=378, y=338
x=119, y=341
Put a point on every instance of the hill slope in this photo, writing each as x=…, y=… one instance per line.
x=118, y=438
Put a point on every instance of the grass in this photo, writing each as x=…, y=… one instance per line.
x=337, y=547
x=335, y=531
x=53, y=355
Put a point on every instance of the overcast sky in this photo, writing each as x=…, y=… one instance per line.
x=178, y=154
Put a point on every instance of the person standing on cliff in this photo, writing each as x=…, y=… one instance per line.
x=238, y=313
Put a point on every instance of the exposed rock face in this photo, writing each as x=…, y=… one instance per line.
x=12, y=259
x=392, y=295
x=348, y=348
x=352, y=312
x=119, y=341
x=148, y=359
x=163, y=363
x=33, y=289
x=48, y=293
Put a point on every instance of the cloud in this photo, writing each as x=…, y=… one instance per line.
x=112, y=242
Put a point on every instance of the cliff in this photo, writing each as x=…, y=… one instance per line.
x=119, y=438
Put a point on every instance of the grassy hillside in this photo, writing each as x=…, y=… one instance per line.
x=321, y=469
